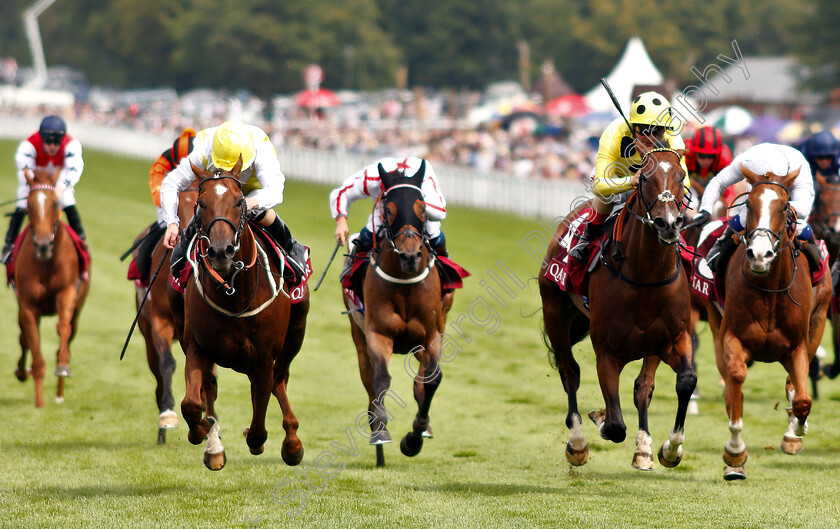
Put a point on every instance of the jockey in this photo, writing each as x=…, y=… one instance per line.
x=219, y=148
x=762, y=159
x=51, y=147
x=707, y=155
x=618, y=162
x=822, y=151
x=366, y=183
x=164, y=164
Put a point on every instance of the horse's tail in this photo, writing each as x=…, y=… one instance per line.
x=552, y=354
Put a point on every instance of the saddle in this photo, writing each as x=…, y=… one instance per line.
x=81, y=249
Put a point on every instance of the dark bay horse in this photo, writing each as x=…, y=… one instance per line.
x=236, y=313
x=157, y=324
x=638, y=309
x=47, y=282
x=404, y=311
x=825, y=219
x=771, y=313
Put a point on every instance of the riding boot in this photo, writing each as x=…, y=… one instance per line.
x=363, y=242
x=75, y=221
x=11, y=235
x=581, y=250
x=439, y=245
x=295, y=251
x=812, y=252
x=721, y=250
x=144, y=251
x=179, y=253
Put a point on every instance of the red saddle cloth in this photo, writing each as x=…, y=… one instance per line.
x=81, y=249
x=572, y=276
x=708, y=286
x=135, y=275
x=451, y=276
x=297, y=285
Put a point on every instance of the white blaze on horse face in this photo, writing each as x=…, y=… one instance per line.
x=665, y=166
x=41, y=201
x=762, y=245
x=220, y=190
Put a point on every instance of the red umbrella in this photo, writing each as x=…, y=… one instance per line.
x=573, y=105
x=320, y=98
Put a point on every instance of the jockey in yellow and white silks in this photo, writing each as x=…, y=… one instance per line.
x=618, y=161
x=219, y=148
x=366, y=183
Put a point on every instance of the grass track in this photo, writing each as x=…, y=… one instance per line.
x=497, y=459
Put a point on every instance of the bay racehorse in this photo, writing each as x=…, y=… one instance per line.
x=47, y=281
x=638, y=309
x=771, y=313
x=157, y=324
x=825, y=219
x=236, y=313
x=404, y=311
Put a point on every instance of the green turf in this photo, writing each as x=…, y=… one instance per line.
x=497, y=458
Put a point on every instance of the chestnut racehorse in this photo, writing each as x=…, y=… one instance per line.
x=771, y=313
x=47, y=282
x=638, y=309
x=236, y=313
x=404, y=312
x=825, y=219
x=157, y=325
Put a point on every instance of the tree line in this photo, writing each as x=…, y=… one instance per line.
x=263, y=45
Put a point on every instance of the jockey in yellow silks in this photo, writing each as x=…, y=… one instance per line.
x=618, y=161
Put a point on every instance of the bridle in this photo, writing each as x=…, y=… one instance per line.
x=203, y=232
x=47, y=187
x=662, y=198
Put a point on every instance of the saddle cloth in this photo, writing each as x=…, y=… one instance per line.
x=81, y=249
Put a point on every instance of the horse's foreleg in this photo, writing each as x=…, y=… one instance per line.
x=162, y=364
x=262, y=383
x=195, y=367
x=380, y=348
x=800, y=403
x=29, y=320
x=679, y=358
x=642, y=393
x=292, y=451
x=833, y=369
x=66, y=307
x=612, y=427
x=732, y=364
x=426, y=382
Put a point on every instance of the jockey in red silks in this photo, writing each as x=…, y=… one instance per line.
x=366, y=183
x=50, y=148
x=618, y=162
x=707, y=155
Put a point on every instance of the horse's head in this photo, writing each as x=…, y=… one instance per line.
x=770, y=220
x=661, y=190
x=220, y=215
x=404, y=213
x=44, y=213
x=826, y=221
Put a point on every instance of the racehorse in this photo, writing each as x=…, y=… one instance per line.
x=236, y=313
x=47, y=282
x=825, y=220
x=771, y=313
x=404, y=311
x=157, y=325
x=638, y=309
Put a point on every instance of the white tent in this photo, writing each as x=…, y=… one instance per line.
x=633, y=68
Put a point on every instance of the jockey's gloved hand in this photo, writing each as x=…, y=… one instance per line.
x=701, y=218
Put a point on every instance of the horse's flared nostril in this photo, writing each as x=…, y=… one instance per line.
x=679, y=223
x=660, y=223
x=211, y=253
x=230, y=251
x=750, y=254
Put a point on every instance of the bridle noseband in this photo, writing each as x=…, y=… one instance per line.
x=662, y=198
x=790, y=221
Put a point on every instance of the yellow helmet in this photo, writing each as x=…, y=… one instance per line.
x=232, y=139
x=650, y=108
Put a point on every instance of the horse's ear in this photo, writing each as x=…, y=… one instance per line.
x=751, y=177
x=681, y=152
x=30, y=178
x=237, y=167
x=788, y=179
x=200, y=173
x=420, y=172
x=820, y=179
x=384, y=175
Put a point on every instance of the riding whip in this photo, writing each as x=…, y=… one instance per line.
x=617, y=106
x=335, y=250
x=134, y=246
x=143, y=302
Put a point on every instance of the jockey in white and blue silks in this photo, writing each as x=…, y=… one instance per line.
x=762, y=159
x=366, y=183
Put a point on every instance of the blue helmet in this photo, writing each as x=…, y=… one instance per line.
x=52, y=124
x=823, y=144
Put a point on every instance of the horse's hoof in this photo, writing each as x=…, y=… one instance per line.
x=291, y=458
x=411, y=444
x=598, y=417
x=380, y=437
x=59, y=400
x=23, y=374
x=734, y=460
x=427, y=433
x=63, y=371
x=693, y=408
x=577, y=457
x=215, y=461
x=791, y=445
x=644, y=461
x=734, y=473
x=831, y=370
x=665, y=462
x=168, y=419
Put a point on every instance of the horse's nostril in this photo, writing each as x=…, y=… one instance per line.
x=230, y=251
x=679, y=222
x=660, y=223
x=750, y=254
x=211, y=253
